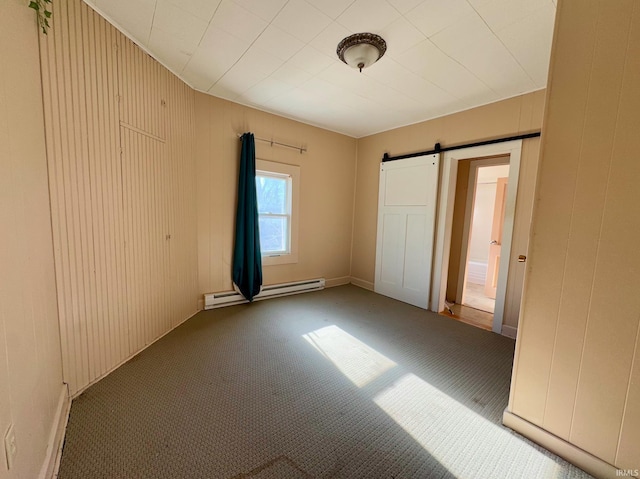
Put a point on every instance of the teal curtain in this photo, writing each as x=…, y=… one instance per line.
x=247, y=259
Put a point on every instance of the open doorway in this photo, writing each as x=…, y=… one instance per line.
x=454, y=188
x=480, y=261
x=476, y=239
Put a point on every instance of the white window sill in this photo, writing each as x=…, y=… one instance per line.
x=279, y=259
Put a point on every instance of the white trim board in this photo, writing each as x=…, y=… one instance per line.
x=579, y=457
x=445, y=220
x=361, y=283
x=330, y=283
x=509, y=331
x=55, y=442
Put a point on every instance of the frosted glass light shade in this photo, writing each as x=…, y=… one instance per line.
x=361, y=55
x=361, y=50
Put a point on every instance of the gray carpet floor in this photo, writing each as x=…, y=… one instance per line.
x=341, y=383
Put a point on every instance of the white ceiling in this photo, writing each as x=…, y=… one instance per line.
x=279, y=56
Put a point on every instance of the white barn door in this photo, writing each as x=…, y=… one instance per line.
x=406, y=227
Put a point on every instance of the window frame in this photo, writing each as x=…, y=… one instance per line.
x=287, y=207
x=292, y=173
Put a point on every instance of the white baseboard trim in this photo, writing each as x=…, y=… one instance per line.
x=362, y=283
x=330, y=283
x=128, y=358
x=585, y=461
x=55, y=442
x=509, y=331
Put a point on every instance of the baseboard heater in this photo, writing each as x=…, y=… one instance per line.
x=229, y=298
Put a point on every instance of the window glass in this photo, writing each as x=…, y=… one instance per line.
x=274, y=212
x=272, y=194
x=278, y=197
x=273, y=234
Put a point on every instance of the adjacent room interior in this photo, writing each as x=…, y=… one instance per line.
x=478, y=218
x=453, y=191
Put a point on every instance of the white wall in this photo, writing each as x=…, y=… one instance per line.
x=30, y=364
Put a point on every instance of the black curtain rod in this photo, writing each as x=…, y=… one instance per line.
x=302, y=149
x=438, y=149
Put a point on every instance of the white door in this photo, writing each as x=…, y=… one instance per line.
x=495, y=247
x=406, y=227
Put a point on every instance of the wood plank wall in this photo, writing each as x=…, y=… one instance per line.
x=520, y=240
x=577, y=365
x=120, y=136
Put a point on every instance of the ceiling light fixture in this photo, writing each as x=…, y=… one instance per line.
x=361, y=50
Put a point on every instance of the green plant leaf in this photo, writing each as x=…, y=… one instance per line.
x=42, y=13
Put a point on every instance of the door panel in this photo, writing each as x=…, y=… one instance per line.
x=144, y=168
x=405, y=187
x=392, y=241
x=406, y=226
x=415, y=260
x=495, y=248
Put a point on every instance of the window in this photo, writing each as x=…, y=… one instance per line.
x=277, y=194
x=274, y=208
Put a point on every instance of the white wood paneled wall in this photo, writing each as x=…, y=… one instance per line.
x=577, y=363
x=120, y=136
x=183, y=217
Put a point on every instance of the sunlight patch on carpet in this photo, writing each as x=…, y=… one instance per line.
x=444, y=427
x=353, y=358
